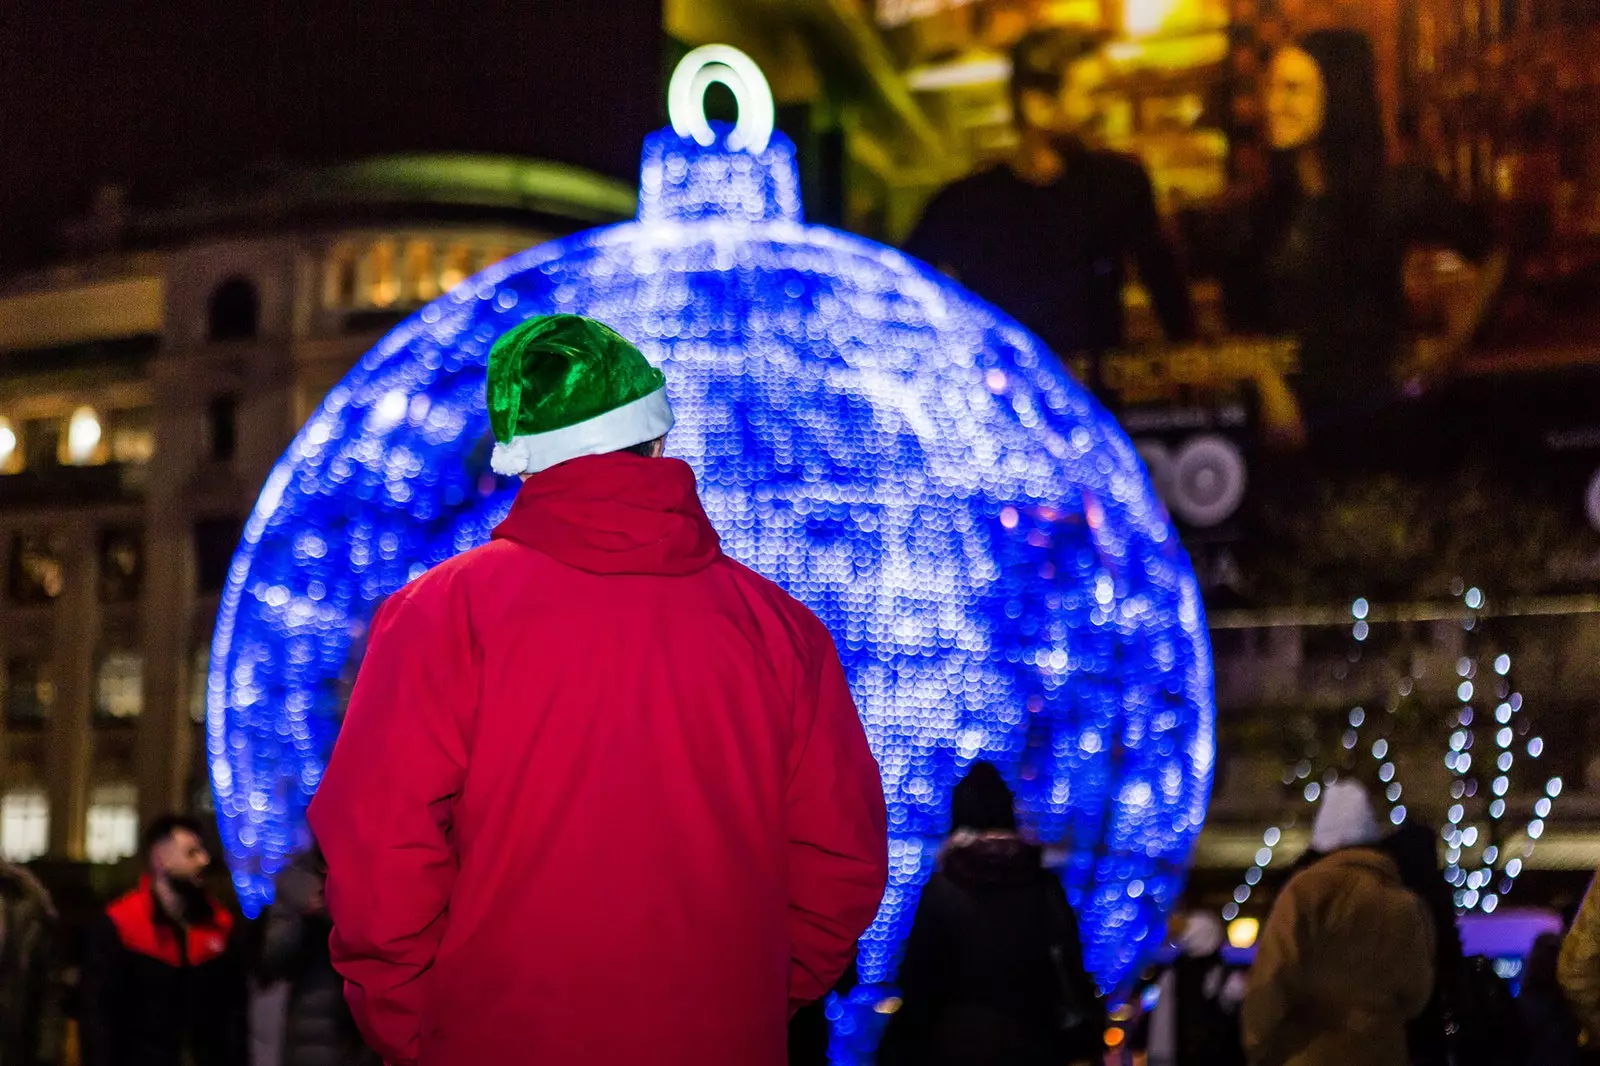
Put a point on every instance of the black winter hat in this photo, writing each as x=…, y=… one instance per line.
x=982, y=801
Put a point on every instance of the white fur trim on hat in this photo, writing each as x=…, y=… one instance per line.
x=1345, y=819
x=645, y=419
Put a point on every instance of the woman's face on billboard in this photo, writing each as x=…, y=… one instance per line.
x=1295, y=100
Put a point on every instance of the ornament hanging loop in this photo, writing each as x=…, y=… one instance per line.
x=686, y=98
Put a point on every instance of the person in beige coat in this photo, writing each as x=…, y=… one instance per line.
x=1346, y=958
x=1579, y=968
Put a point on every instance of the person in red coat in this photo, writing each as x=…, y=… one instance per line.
x=601, y=795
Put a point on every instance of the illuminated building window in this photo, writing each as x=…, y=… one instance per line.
x=113, y=823
x=234, y=313
x=1142, y=18
x=121, y=566
x=29, y=692
x=24, y=824
x=10, y=452
x=119, y=685
x=457, y=267
x=85, y=443
x=199, y=678
x=493, y=254
x=37, y=575
x=384, y=287
x=421, y=281
x=222, y=423
x=133, y=437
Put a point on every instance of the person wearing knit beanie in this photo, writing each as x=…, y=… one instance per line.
x=982, y=802
x=1345, y=819
x=1346, y=957
x=993, y=969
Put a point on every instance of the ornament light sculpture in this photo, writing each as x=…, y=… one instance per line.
x=977, y=533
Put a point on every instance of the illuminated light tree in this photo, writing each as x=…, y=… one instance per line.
x=1477, y=850
x=1481, y=863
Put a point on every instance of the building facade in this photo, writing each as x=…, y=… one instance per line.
x=148, y=383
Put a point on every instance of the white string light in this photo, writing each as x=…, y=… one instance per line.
x=1475, y=879
x=1358, y=718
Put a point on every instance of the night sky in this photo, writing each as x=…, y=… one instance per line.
x=161, y=97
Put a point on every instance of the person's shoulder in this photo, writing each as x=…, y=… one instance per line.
x=988, y=175
x=980, y=185
x=1118, y=164
x=126, y=918
x=804, y=626
x=29, y=889
x=940, y=890
x=452, y=579
x=135, y=901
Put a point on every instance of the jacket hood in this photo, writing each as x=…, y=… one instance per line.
x=615, y=514
x=1368, y=860
x=990, y=859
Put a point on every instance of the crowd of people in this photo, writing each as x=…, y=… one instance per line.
x=1358, y=962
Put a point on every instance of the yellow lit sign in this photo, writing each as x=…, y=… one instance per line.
x=1161, y=373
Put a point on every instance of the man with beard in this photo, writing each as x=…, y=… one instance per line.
x=1047, y=236
x=162, y=983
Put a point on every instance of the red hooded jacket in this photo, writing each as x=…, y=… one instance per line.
x=601, y=795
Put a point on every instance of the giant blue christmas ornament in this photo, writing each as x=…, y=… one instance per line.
x=974, y=529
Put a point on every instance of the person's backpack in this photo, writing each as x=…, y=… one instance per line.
x=1482, y=1025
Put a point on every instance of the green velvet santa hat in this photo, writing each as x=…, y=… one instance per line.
x=561, y=386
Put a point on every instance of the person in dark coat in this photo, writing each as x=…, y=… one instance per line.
x=993, y=972
x=318, y=1029
x=1414, y=849
x=30, y=1017
x=1048, y=236
x=163, y=973
x=1319, y=253
x=1550, y=1028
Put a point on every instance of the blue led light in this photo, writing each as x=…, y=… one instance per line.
x=974, y=529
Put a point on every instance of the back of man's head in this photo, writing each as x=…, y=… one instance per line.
x=561, y=387
x=163, y=828
x=1040, y=61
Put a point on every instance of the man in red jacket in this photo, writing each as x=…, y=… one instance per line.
x=601, y=795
